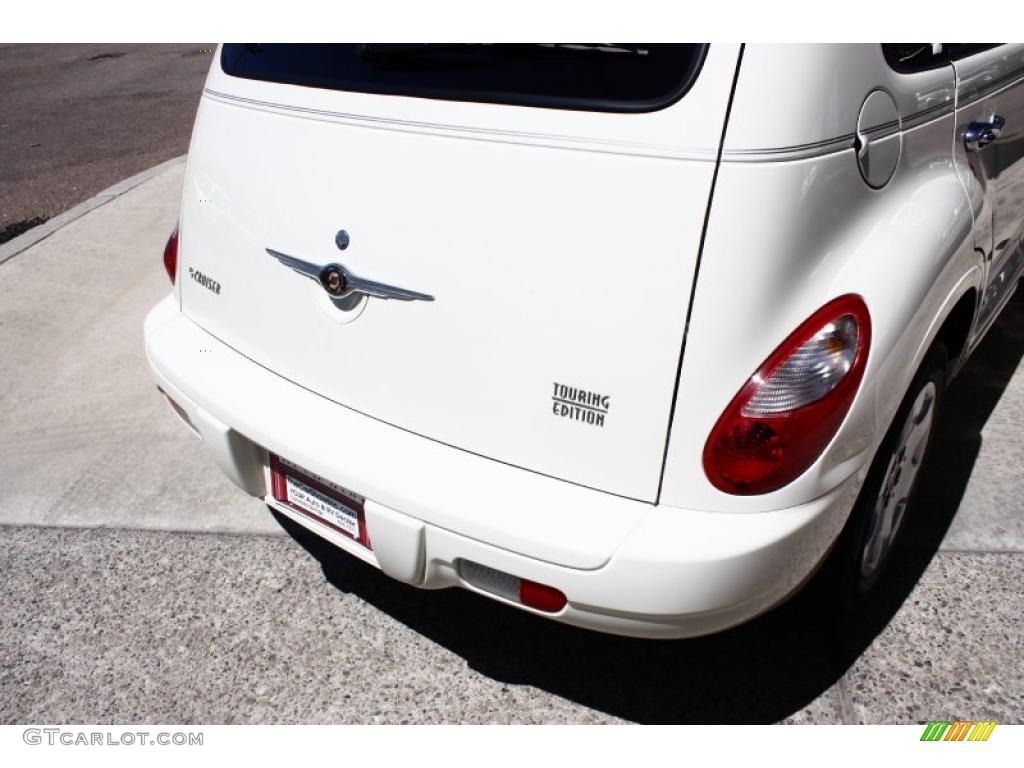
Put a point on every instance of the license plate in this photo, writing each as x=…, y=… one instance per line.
x=318, y=498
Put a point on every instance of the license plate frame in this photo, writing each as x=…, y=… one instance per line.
x=317, y=498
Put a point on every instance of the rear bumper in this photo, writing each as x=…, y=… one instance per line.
x=626, y=567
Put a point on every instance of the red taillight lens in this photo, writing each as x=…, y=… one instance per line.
x=790, y=409
x=171, y=255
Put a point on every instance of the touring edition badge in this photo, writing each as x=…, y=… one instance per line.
x=580, y=404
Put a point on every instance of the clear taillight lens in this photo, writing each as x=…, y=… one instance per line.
x=790, y=409
x=171, y=255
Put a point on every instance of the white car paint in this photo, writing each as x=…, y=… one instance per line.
x=475, y=369
x=576, y=247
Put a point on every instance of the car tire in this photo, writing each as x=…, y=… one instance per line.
x=865, y=546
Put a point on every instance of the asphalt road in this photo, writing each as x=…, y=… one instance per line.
x=139, y=585
x=75, y=119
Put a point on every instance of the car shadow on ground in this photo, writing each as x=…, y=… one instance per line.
x=761, y=672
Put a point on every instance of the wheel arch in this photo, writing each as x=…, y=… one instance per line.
x=955, y=330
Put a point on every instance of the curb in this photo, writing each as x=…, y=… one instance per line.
x=24, y=241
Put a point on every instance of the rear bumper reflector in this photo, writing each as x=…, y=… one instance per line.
x=523, y=591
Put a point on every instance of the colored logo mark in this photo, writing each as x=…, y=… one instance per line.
x=958, y=730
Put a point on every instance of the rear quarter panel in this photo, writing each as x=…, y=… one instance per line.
x=786, y=236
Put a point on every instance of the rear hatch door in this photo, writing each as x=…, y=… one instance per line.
x=558, y=244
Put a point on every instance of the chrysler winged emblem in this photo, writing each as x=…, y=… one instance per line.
x=339, y=282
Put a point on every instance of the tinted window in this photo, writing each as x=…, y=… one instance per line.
x=917, y=57
x=617, y=77
x=959, y=51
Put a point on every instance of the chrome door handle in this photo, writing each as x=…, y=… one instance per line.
x=980, y=134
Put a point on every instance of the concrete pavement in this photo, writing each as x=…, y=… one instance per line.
x=140, y=585
x=87, y=440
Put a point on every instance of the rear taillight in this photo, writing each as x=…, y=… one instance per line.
x=171, y=255
x=790, y=409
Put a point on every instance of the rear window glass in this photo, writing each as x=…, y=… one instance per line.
x=611, y=77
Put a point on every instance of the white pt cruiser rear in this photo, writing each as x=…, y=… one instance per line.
x=634, y=337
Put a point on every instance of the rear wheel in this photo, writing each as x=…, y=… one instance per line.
x=866, y=544
x=899, y=480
